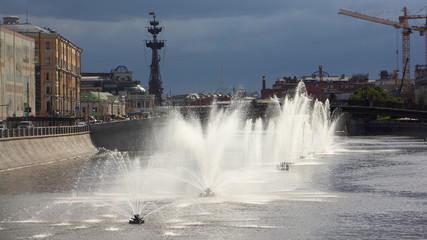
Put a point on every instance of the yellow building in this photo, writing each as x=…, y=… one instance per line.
x=17, y=85
x=57, y=69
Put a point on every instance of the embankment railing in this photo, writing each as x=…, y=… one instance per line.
x=41, y=131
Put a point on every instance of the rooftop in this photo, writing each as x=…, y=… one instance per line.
x=12, y=23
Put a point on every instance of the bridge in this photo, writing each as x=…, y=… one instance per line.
x=259, y=107
x=383, y=111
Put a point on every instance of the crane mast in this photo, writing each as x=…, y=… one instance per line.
x=403, y=23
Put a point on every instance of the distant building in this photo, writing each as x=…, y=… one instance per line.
x=389, y=82
x=115, y=81
x=334, y=88
x=119, y=82
x=421, y=83
x=138, y=99
x=57, y=69
x=198, y=99
x=17, y=87
x=101, y=105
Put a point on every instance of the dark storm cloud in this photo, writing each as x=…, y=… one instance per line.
x=113, y=10
x=234, y=40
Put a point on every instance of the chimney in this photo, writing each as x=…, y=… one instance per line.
x=263, y=82
x=11, y=20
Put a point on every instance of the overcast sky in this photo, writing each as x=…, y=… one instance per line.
x=234, y=41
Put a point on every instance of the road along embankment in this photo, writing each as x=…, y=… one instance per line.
x=34, y=150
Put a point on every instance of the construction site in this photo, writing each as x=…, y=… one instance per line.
x=403, y=85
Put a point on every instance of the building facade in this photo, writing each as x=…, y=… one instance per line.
x=57, y=69
x=17, y=84
x=333, y=88
x=119, y=82
x=101, y=105
x=389, y=82
x=421, y=84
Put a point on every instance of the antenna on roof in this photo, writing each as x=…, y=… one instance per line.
x=26, y=13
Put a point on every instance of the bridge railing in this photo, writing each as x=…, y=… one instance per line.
x=41, y=131
x=387, y=104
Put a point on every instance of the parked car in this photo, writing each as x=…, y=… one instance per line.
x=81, y=124
x=3, y=125
x=25, y=124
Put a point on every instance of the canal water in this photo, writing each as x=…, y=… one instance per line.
x=364, y=188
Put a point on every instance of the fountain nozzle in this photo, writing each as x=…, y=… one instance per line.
x=136, y=219
x=207, y=193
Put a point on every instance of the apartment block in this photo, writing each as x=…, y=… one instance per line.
x=57, y=69
x=17, y=74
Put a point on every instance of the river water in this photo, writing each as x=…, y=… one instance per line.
x=365, y=188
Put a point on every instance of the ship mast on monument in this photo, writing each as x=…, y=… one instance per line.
x=155, y=82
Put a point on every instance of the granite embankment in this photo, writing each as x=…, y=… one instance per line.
x=396, y=128
x=33, y=150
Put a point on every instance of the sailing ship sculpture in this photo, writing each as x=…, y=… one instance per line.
x=155, y=82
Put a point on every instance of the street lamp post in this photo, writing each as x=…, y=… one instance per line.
x=170, y=95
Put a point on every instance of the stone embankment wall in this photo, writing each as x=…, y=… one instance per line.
x=32, y=150
x=397, y=128
x=130, y=135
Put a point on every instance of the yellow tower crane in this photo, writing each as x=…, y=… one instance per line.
x=403, y=23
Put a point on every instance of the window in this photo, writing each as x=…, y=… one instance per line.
x=9, y=51
x=47, y=60
x=47, y=45
x=48, y=106
x=26, y=53
x=36, y=46
x=47, y=90
x=47, y=76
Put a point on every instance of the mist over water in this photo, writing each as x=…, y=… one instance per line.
x=218, y=172
x=229, y=149
x=226, y=154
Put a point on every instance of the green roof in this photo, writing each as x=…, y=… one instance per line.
x=97, y=97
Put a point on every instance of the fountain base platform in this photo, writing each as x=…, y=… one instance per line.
x=284, y=166
x=207, y=193
x=136, y=219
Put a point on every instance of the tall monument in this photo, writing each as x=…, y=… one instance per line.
x=155, y=82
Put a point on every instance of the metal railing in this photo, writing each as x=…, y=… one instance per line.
x=41, y=131
x=411, y=106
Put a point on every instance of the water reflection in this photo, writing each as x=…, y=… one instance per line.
x=368, y=188
x=47, y=178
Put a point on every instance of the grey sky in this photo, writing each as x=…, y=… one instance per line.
x=238, y=41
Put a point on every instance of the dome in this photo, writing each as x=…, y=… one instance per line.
x=121, y=69
x=136, y=90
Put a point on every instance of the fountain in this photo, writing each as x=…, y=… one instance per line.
x=211, y=155
x=302, y=126
x=224, y=156
x=198, y=149
x=194, y=165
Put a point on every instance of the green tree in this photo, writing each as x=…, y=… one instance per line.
x=375, y=94
x=421, y=99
